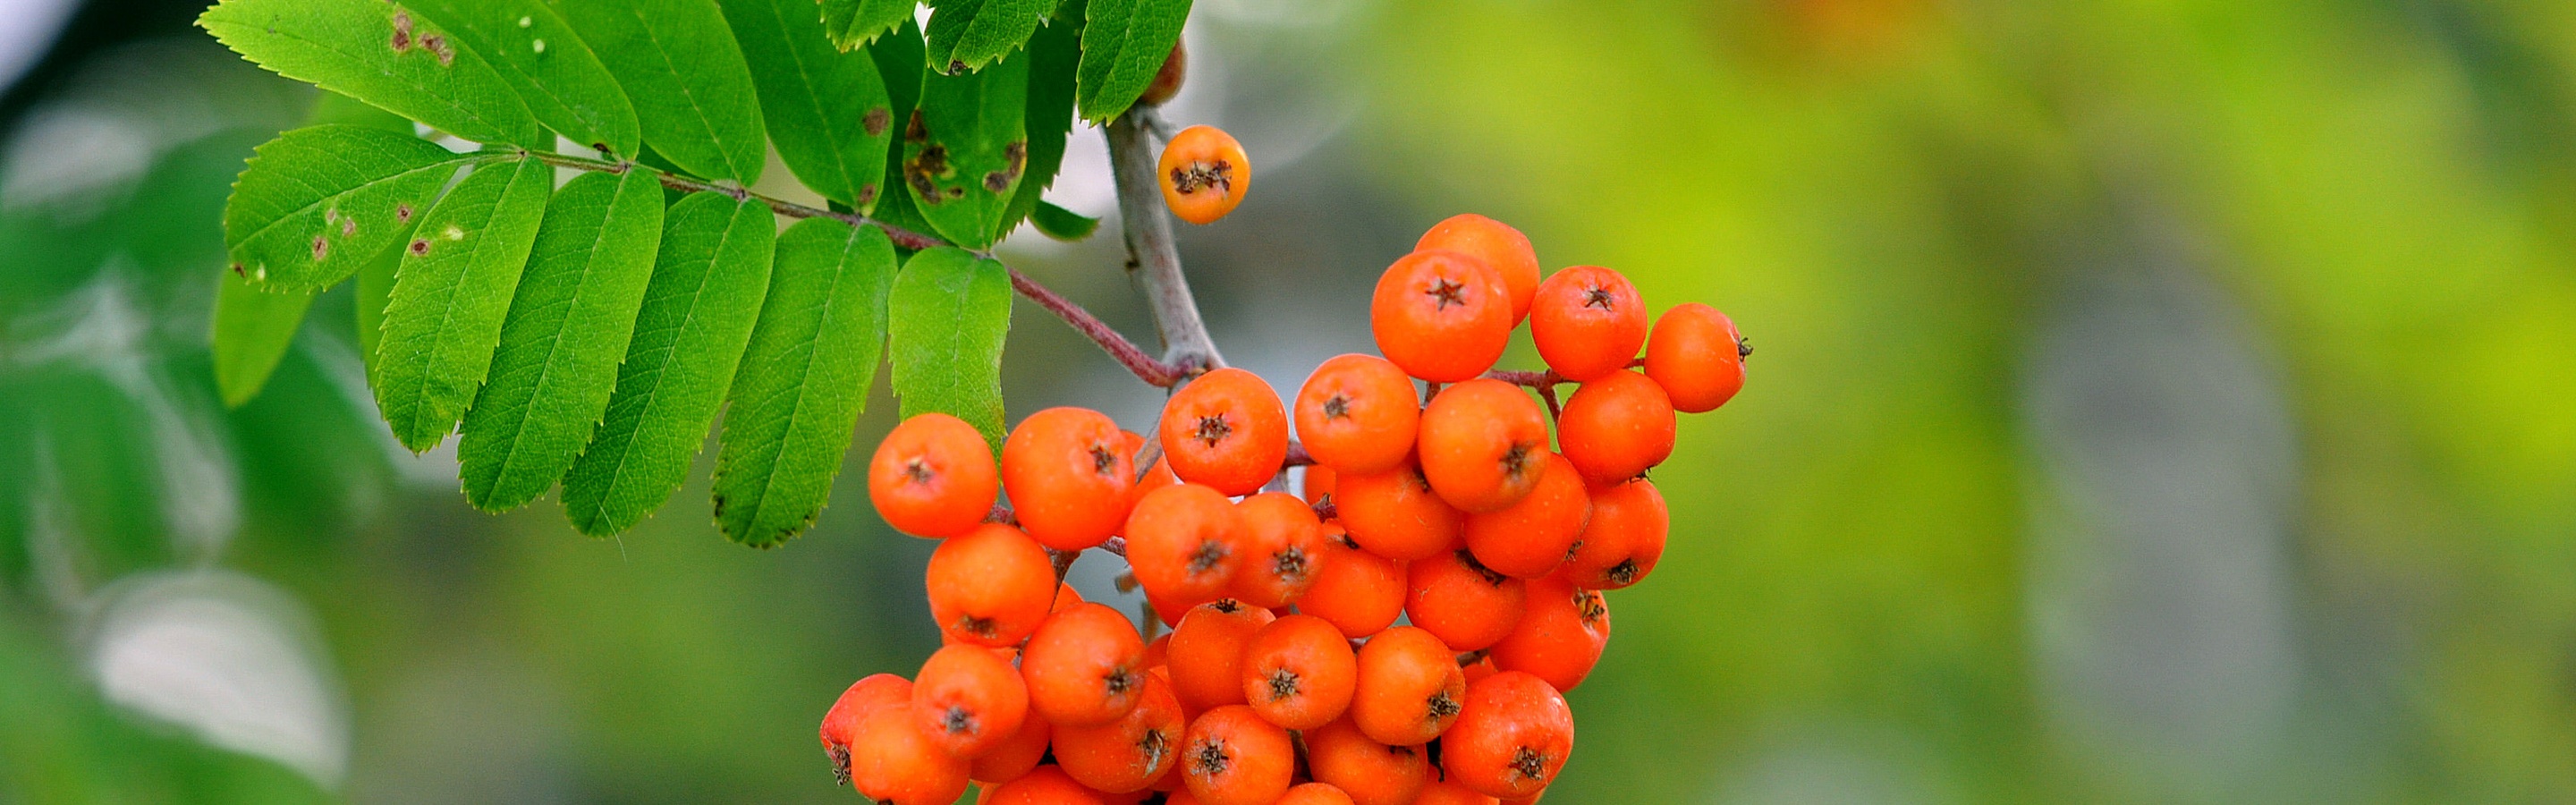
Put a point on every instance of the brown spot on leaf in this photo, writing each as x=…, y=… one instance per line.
x=237, y=270
x=321, y=248
x=402, y=212
x=437, y=46
x=420, y=247
x=997, y=181
x=402, y=31
x=915, y=131
x=867, y=194
x=1015, y=155
x=957, y=192
x=923, y=169
x=349, y=227
x=876, y=121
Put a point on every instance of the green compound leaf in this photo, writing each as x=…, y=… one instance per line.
x=951, y=314
x=968, y=34
x=691, y=88
x=706, y=291
x=898, y=57
x=965, y=150
x=1062, y=224
x=1124, y=43
x=383, y=54
x=833, y=121
x=458, y=272
x=557, y=76
x=316, y=202
x=333, y=107
x=852, y=23
x=803, y=381
x=375, y=290
x=1053, y=53
x=253, y=328
x=561, y=342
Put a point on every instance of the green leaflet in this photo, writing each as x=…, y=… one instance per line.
x=557, y=76
x=560, y=344
x=898, y=57
x=332, y=107
x=852, y=23
x=803, y=381
x=968, y=34
x=1062, y=224
x=253, y=328
x=951, y=314
x=458, y=273
x=375, y=290
x=831, y=115
x=691, y=88
x=696, y=321
x=965, y=150
x=382, y=54
x=318, y=201
x=1124, y=43
x=1053, y=53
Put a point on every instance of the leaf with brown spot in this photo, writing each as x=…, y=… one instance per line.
x=969, y=124
x=828, y=110
x=379, y=53
x=340, y=186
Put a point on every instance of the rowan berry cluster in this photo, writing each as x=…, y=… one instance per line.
x=1286, y=677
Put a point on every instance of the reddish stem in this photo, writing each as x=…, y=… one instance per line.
x=1154, y=372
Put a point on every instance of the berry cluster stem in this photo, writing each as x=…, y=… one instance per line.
x=1153, y=256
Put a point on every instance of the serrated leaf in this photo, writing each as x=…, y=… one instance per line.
x=898, y=57
x=852, y=23
x=803, y=381
x=833, y=121
x=965, y=150
x=332, y=107
x=563, y=338
x=951, y=313
x=382, y=54
x=253, y=328
x=316, y=202
x=554, y=73
x=374, y=290
x=1124, y=43
x=968, y=34
x=1053, y=54
x=696, y=321
x=458, y=272
x=691, y=88
x=1062, y=224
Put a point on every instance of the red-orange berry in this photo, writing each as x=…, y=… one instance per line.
x=1562, y=631
x=1298, y=672
x=1482, y=445
x=1084, y=667
x=1230, y=756
x=1409, y=687
x=1534, y=537
x=1357, y=413
x=1442, y=315
x=1465, y=604
x=1587, y=322
x=1317, y=488
x=1478, y=670
x=1204, y=173
x=865, y=696
x=1226, y=430
x=1015, y=755
x=1315, y=794
x=1128, y=754
x=1061, y=466
x=1624, y=540
x=991, y=586
x=1697, y=356
x=1512, y=736
x=1448, y=793
x=1371, y=773
x=933, y=476
x=1616, y=427
x=1207, y=652
x=1182, y=544
x=1045, y=785
x=1281, y=548
x=1357, y=591
x=969, y=699
x=1496, y=243
x=1395, y=514
x=892, y=759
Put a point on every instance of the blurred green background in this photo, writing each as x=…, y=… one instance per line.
x=2155, y=402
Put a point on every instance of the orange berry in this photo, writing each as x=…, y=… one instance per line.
x=1182, y=544
x=1317, y=488
x=1046, y=785
x=1204, y=174
x=1444, y=316
x=1167, y=81
x=1697, y=356
x=1298, y=672
x=1282, y=542
x=1207, y=649
x=1587, y=322
x=1065, y=596
x=1084, y=667
x=892, y=759
x=991, y=586
x=1060, y=465
x=1014, y=756
x=1467, y=605
x=1623, y=541
x=1481, y=445
x=1227, y=430
x=1616, y=427
x=863, y=697
x=1446, y=793
x=1315, y=794
x=969, y=699
x=1357, y=413
x=1359, y=592
x=1230, y=756
x=1531, y=538
x=1512, y=736
x=1395, y=514
x=1481, y=668
x=1496, y=243
x=1371, y=773
x=1409, y=687
x=1561, y=634
x=933, y=476
x=1128, y=754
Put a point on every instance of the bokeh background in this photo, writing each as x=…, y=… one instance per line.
x=2156, y=402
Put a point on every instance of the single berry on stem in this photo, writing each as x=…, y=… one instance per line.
x=1204, y=174
x=1697, y=356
